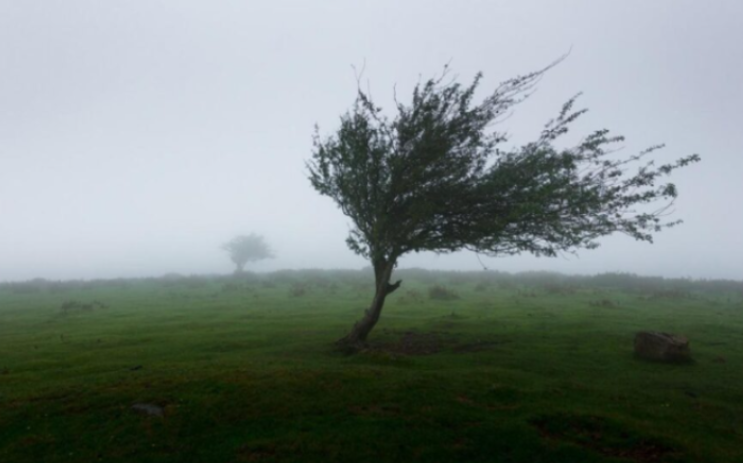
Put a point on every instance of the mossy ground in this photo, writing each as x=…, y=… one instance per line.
x=245, y=371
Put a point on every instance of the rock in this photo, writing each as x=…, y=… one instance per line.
x=662, y=347
x=148, y=409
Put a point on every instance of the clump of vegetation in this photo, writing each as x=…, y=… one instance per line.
x=442, y=293
x=76, y=306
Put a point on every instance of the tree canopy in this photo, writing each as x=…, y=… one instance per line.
x=247, y=248
x=438, y=177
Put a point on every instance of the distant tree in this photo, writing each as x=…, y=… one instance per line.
x=435, y=178
x=243, y=249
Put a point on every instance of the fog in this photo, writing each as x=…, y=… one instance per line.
x=137, y=137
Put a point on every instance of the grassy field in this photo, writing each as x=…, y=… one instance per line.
x=531, y=368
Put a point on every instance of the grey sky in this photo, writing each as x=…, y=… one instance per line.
x=136, y=137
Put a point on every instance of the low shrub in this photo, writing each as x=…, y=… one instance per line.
x=442, y=293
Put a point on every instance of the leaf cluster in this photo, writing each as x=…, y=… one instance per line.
x=437, y=178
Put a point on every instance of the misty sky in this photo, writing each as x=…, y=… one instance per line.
x=136, y=137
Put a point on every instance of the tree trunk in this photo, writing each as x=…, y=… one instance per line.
x=356, y=338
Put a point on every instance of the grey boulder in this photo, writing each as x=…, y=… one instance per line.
x=662, y=347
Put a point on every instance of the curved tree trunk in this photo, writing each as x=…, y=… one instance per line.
x=356, y=338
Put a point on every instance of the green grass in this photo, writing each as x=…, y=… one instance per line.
x=244, y=371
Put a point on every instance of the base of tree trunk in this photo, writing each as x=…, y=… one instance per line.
x=355, y=340
x=348, y=345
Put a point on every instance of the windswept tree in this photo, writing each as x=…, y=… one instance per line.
x=243, y=249
x=437, y=177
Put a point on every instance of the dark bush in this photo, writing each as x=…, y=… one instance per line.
x=442, y=293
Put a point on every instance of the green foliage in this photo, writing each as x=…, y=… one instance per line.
x=243, y=249
x=436, y=178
